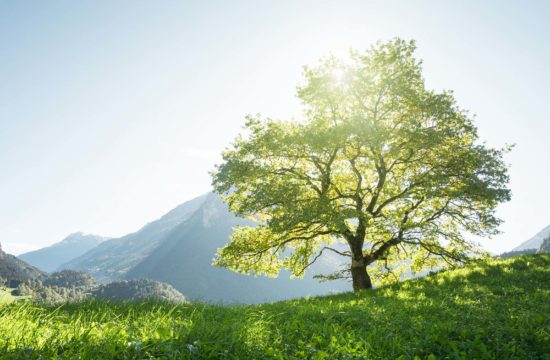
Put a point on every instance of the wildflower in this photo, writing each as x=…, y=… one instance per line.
x=193, y=347
x=135, y=344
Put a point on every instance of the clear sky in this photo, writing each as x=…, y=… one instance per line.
x=114, y=112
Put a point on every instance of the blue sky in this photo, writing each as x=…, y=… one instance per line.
x=112, y=113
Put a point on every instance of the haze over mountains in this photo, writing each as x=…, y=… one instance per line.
x=535, y=242
x=178, y=249
x=49, y=258
x=112, y=259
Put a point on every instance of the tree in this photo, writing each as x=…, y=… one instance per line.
x=71, y=279
x=380, y=170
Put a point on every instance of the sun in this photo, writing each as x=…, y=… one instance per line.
x=338, y=76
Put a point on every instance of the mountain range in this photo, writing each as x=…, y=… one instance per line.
x=112, y=259
x=178, y=249
x=49, y=258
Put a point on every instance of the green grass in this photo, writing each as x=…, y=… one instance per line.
x=496, y=310
x=6, y=296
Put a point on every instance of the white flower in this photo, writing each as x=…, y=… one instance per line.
x=135, y=344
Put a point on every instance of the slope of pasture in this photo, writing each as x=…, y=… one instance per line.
x=494, y=310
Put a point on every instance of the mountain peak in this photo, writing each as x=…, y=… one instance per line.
x=51, y=257
x=183, y=211
x=535, y=242
x=80, y=236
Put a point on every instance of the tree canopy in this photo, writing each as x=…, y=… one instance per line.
x=379, y=169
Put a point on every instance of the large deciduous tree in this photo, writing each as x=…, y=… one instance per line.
x=380, y=170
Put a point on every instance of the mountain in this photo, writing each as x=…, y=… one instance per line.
x=535, y=242
x=15, y=271
x=51, y=257
x=112, y=259
x=178, y=249
x=184, y=260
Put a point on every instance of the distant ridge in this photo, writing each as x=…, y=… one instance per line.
x=112, y=259
x=15, y=270
x=51, y=257
x=184, y=259
x=535, y=242
x=178, y=249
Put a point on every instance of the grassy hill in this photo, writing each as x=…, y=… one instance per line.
x=6, y=296
x=495, y=310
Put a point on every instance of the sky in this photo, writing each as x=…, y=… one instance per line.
x=112, y=113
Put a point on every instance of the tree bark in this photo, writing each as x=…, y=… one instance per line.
x=360, y=277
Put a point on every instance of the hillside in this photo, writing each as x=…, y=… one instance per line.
x=180, y=252
x=184, y=260
x=50, y=258
x=75, y=286
x=6, y=295
x=535, y=242
x=495, y=310
x=113, y=258
x=14, y=270
x=138, y=290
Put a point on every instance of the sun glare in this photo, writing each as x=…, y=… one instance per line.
x=338, y=76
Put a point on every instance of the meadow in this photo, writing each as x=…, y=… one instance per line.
x=492, y=310
x=6, y=296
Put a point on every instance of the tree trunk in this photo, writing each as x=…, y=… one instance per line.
x=359, y=275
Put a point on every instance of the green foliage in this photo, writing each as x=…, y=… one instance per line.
x=487, y=310
x=14, y=271
x=74, y=286
x=54, y=291
x=70, y=279
x=138, y=290
x=380, y=165
x=59, y=287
